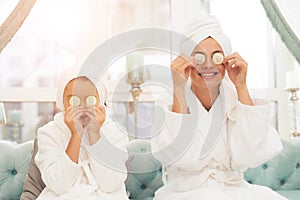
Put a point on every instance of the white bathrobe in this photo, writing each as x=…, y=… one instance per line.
x=246, y=139
x=92, y=177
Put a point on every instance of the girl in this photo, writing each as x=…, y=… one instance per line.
x=71, y=148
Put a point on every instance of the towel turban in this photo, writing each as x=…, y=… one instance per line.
x=201, y=27
x=69, y=74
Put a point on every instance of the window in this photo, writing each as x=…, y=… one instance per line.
x=253, y=36
x=58, y=34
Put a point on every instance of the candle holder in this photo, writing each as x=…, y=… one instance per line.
x=294, y=112
x=14, y=131
x=135, y=93
x=136, y=76
x=13, y=126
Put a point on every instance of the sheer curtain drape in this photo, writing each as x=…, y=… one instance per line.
x=284, y=16
x=14, y=21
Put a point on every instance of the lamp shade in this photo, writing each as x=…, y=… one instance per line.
x=293, y=79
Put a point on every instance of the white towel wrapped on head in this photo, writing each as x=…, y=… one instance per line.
x=69, y=74
x=201, y=27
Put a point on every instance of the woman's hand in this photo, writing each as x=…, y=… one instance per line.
x=71, y=118
x=237, y=69
x=97, y=115
x=180, y=68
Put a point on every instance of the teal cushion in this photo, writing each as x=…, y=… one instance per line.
x=14, y=163
x=144, y=171
x=282, y=172
x=290, y=194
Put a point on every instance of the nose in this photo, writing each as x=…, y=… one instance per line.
x=83, y=103
x=209, y=64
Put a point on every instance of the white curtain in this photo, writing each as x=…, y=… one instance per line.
x=290, y=12
x=284, y=16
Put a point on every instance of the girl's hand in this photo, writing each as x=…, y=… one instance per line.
x=237, y=69
x=97, y=115
x=71, y=118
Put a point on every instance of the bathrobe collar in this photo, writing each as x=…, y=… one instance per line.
x=227, y=93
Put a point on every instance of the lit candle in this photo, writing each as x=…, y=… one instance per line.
x=134, y=62
x=293, y=79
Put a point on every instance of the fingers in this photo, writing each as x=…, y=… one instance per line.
x=72, y=119
x=73, y=113
x=232, y=56
x=96, y=112
x=235, y=61
x=182, y=65
x=231, y=64
x=97, y=116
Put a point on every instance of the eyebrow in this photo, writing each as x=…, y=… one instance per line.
x=217, y=51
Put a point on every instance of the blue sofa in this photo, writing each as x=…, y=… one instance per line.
x=144, y=171
x=282, y=173
x=14, y=162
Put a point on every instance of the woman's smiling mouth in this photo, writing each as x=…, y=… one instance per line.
x=208, y=74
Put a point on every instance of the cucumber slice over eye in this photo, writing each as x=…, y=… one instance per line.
x=91, y=100
x=218, y=58
x=74, y=101
x=199, y=58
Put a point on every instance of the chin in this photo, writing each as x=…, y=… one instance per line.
x=213, y=83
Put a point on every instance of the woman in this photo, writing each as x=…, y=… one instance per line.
x=73, y=147
x=219, y=130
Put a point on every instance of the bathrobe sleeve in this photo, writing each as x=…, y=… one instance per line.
x=253, y=139
x=107, y=158
x=57, y=170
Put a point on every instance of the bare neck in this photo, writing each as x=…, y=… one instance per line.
x=205, y=95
